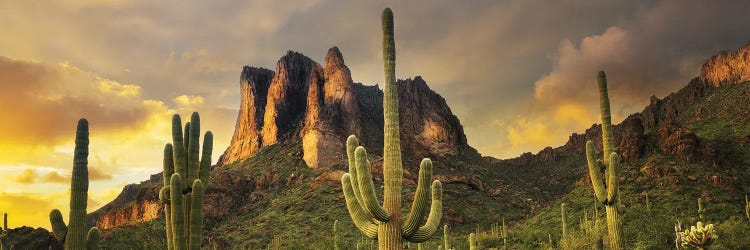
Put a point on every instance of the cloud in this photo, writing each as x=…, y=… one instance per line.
x=28, y=176
x=55, y=177
x=186, y=101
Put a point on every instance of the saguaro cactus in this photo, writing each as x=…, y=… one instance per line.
x=505, y=235
x=74, y=236
x=185, y=178
x=701, y=211
x=385, y=222
x=608, y=194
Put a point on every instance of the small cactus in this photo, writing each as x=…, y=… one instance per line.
x=699, y=236
x=505, y=235
x=563, y=219
x=747, y=208
x=701, y=210
x=335, y=235
x=472, y=242
x=74, y=236
x=446, y=237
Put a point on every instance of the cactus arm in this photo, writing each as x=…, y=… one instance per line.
x=178, y=144
x=433, y=220
x=596, y=175
x=367, y=188
x=205, y=165
x=93, y=237
x=168, y=164
x=196, y=215
x=59, y=229
x=612, y=188
x=193, y=148
x=361, y=218
x=606, y=117
x=79, y=187
x=351, y=145
x=419, y=205
x=178, y=220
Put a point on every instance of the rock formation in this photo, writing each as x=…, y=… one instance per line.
x=727, y=67
x=322, y=106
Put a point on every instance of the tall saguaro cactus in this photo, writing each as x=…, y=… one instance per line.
x=608, y=194
x=185, y=179
x=74, y=236
x=385, y=222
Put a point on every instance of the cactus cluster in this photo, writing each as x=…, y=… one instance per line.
x=185, y=179
x=385, y=222
x=606, y=194
x=699, y=236
x=74, y=236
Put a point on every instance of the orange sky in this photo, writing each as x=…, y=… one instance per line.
x=519, y=74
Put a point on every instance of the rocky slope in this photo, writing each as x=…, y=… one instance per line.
x=727, y=67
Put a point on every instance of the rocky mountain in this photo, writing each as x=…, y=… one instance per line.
x=286, y=156
x=323, y=106
x=319, y=106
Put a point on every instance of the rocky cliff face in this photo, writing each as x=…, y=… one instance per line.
x=136, y=203
x=727, y=67
x=323, y=106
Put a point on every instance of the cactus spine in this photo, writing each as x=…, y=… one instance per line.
x=74, y=236
x=606, y=195
x=472, y=242
x=185, y=180
x=700, y=208
x=563, y=219
x=385, y=222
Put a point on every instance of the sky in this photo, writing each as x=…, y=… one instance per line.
x=520, y=75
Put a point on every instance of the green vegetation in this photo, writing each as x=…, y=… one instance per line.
x=185, y=173
x=384, y=222
x=74, y=236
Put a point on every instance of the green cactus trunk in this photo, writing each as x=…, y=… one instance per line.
x=385, y=222
x=335, y=235
x=606, y=195
x=74, y=236
x=185, y=178
x=4, y=238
